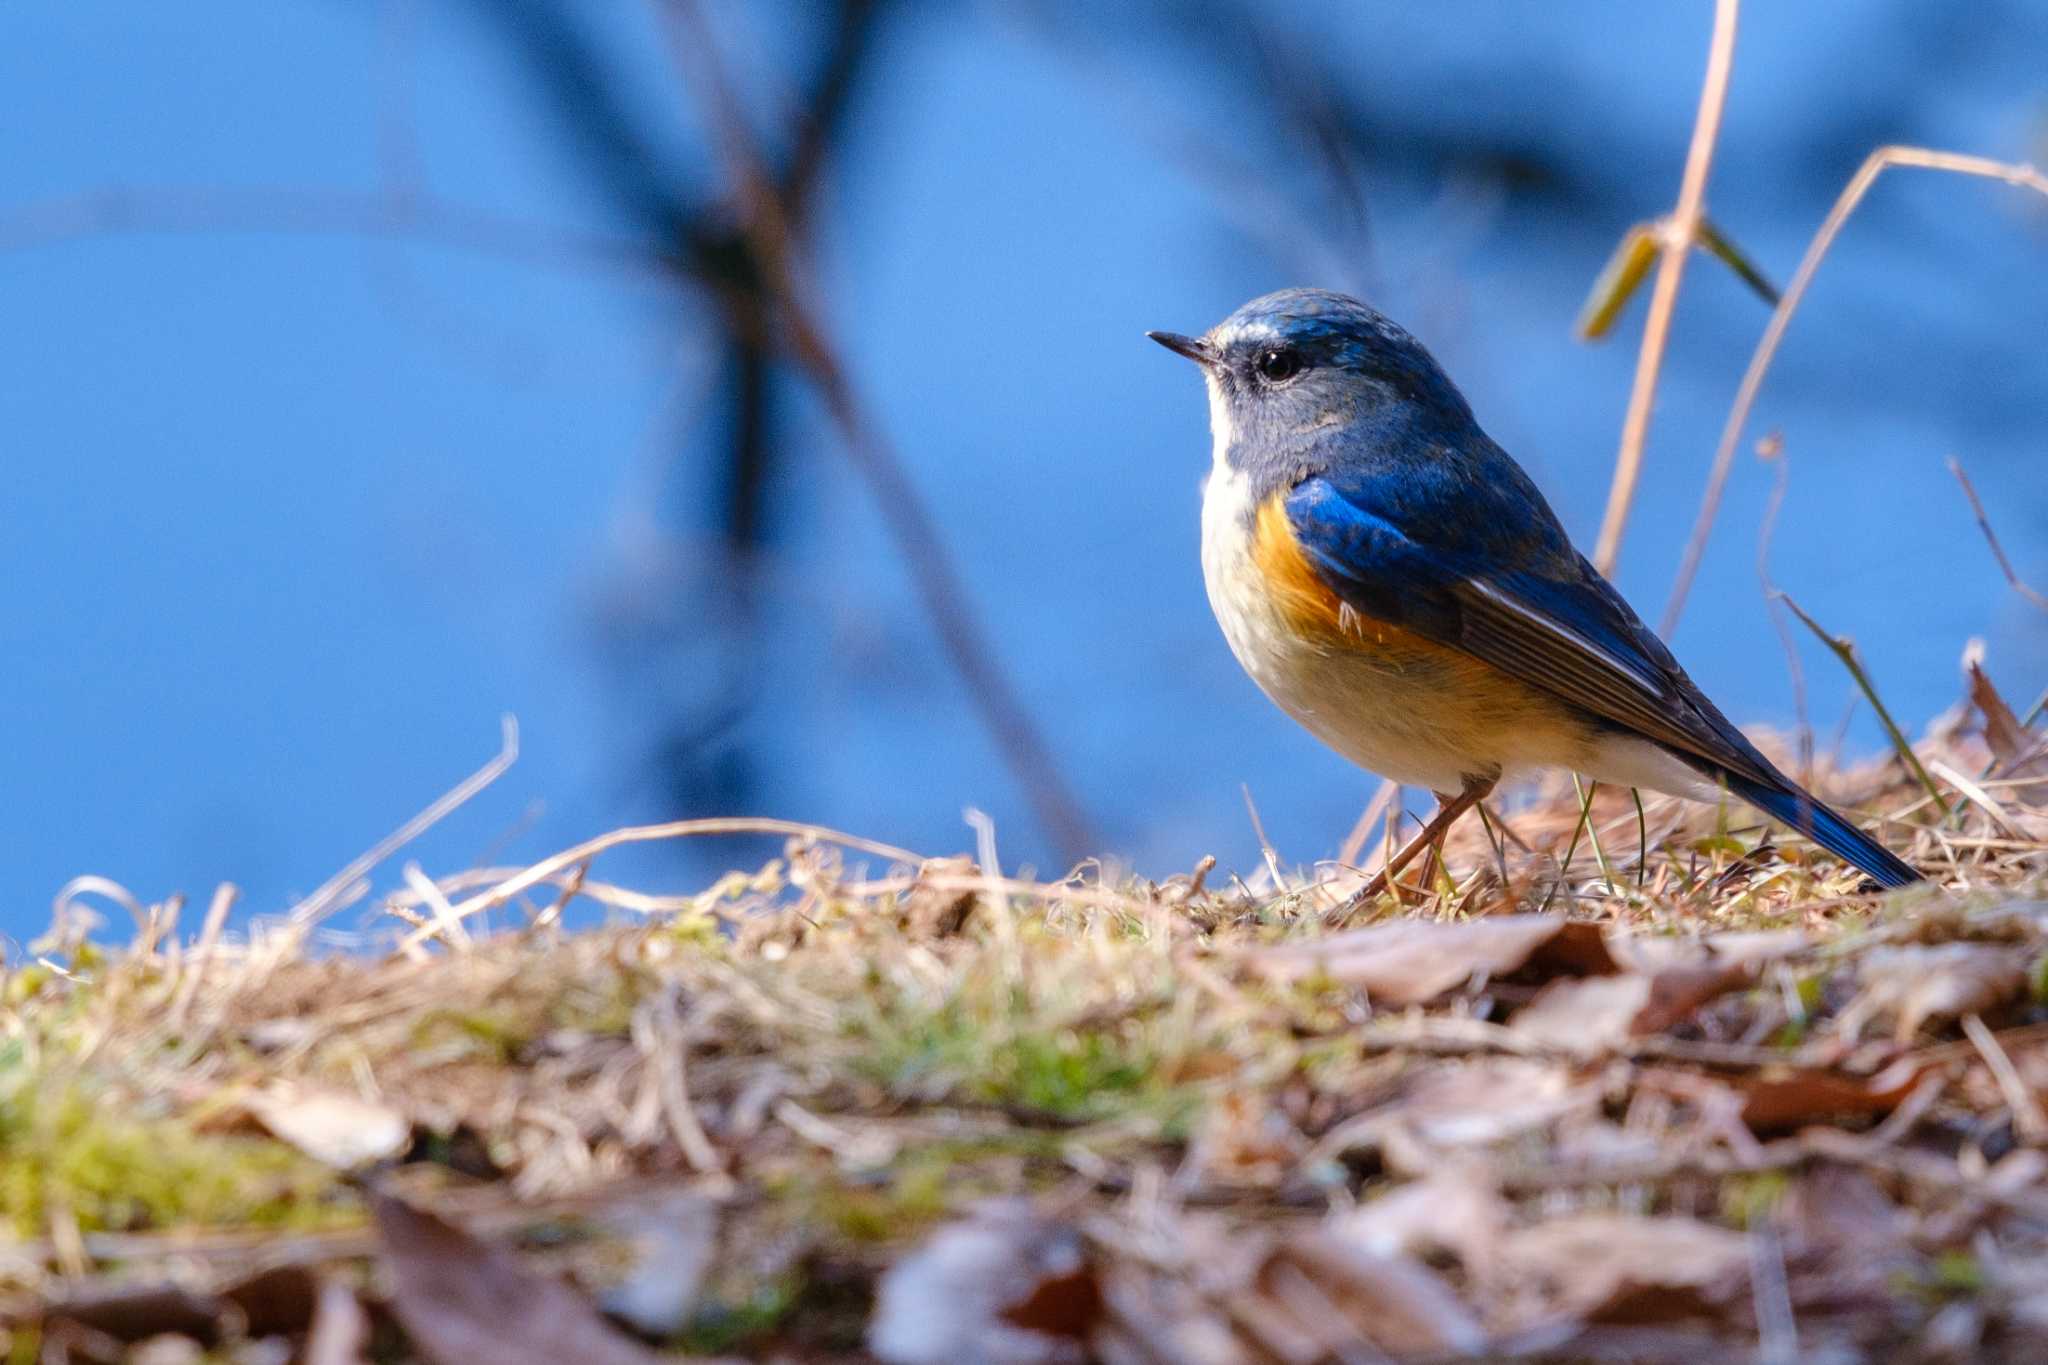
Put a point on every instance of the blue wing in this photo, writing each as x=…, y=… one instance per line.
x=1471, y=556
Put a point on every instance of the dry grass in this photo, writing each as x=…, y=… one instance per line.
x=1546, y=1108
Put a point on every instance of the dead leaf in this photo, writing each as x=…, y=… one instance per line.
x=133, y=1312
x=276, y=1301
x=1778, y=1099
x=1454, y=1211
x=1612, y=1268
x=1407, y=962
x=1599, y=1014
x=1335, y=1296
x=1839, y=1211
x=1918, y=982
x=1244, y=1142
x=1005, y=1286
x=334, y=1128
x=461, y=1301
x=2020, y=752
x=1473, y=1104
x=1660, y=952
x=670, y=1238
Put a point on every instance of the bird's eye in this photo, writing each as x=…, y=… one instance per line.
x=1280, y=364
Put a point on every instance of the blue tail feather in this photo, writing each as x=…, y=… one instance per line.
x=1825, y=827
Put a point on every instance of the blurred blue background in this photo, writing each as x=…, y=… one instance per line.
x=352, y=396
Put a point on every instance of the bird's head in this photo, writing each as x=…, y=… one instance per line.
x=1304, y=370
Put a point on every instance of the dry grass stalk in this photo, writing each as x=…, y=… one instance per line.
x=1679, y=231
x=1874, y=165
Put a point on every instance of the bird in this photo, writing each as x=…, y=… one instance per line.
x=1395, y=582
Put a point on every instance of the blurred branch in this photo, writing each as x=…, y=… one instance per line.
x=770, y=240
x=319, y=213
x=2019, y=585
x=1879, y=161
x=1681, y=229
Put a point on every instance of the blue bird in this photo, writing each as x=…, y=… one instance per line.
x=1395, y=582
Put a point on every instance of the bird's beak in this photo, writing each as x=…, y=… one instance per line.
x=1193, y=348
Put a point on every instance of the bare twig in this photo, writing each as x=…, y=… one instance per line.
x=1879, y=161
x=548, y=869
x=310, y=910
x=1843, y=648
x=1773, y=450
x=2019, y=586
x=1266, y=849
x=2029, y=1123
x=201, y=957
x=1354, y=842
x=1681, y=230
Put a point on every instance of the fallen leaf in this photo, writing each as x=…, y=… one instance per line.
x=1407, y=962
x=1454, y=1211
x=1473, y=1104
x=1244, y=1142
x=1612, y=1268
x=333, y=1128
x=133, y=1312
x=1336, y=1296
x=2020, y=752
x=670, y=1239
x=1778, y=1099
x=276, y=1301
x=461, y=1301
x=1918, y=982
x=1840, y=1212
x=1660, y=952
x=1599, y=1014
x=1006, y=1286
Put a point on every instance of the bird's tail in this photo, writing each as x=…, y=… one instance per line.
x=1805, y=813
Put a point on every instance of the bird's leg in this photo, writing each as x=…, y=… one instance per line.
x=1433, y=855
x=1449, y=808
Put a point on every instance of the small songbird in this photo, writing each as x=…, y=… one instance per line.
x=1394, y=581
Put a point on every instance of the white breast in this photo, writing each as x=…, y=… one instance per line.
x=1392, y=711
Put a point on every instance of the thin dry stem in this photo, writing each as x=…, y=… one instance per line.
x=2019, y=585
x=1878, y=162
x=1681, y=230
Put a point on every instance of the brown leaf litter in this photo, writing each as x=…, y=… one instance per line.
x=1708, y=1099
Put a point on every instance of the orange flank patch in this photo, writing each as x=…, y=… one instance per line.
x=1407, y=688
x=1309, y=604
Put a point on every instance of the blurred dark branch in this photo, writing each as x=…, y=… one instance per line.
x=562, y=62
x=787, y=304
x=423, y=218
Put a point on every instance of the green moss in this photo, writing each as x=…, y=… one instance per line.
x=491, y=1035
x=64, y=1148
x=1008, y=1056
x=1951, y=1275
x=724, y=1326
x=1748, y=1199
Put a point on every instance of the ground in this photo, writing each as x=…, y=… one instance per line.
x=1569, y=1101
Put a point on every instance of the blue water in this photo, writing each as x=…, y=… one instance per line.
x=291, y=519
